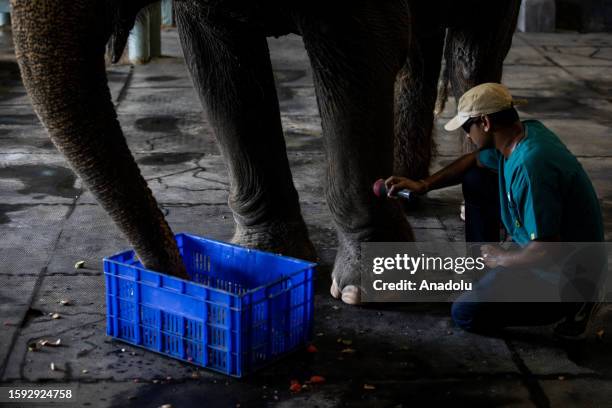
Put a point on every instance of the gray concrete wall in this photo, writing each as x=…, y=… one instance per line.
x=575, y=15
x=585, y=15
x=537, y=16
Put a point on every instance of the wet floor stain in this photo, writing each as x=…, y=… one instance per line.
x=166, y=159
x=285, y=93
x=157, y=124
x=12, y=142
x=8, y=208
x=18, y=119
x=41, y=144
x=10, y=75
x=116, y=76
x=308, y=141
x=43, y=180
x=161, y=78
x=10, y=82
x=284, y=76
x=289, y=75
x=8, y=94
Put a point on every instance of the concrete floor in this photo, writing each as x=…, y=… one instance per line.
x=411, y=353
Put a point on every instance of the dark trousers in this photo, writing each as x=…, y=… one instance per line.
x=481, y=309
x=482, y=213
x=482, y=224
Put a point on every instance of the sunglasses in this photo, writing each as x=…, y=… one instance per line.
x=468, y=125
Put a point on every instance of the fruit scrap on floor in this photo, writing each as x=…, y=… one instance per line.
x=316, y=379
x=312, y=349
x=295, y=386
x=37, y=345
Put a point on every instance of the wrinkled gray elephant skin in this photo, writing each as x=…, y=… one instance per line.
x=376, y=66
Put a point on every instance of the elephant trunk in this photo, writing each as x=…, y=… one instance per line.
x=60, y=50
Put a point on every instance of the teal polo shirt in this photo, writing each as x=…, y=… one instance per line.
x=544, y=191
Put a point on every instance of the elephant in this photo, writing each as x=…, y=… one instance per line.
x=376, y=68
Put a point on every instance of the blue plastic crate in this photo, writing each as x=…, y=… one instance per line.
x=241, y=310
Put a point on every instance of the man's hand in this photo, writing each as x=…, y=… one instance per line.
x=533, y=254
x=494, y=256
x=396, y=183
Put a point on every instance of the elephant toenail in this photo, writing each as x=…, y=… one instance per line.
x=334, y=290
x=351, y=295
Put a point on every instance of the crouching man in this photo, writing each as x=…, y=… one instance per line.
x=523, y=175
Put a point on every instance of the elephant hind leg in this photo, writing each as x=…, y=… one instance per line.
x=475, y=50
x=355, y=55
x=415, y=99
x=230, y=66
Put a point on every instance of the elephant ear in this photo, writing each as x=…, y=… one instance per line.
x=125, y=15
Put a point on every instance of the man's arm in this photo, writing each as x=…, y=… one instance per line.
x=448, y=176
x=533, y=254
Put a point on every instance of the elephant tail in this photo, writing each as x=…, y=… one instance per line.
x=444, y=82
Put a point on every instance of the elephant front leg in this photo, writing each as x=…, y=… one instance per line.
x=415, y=93
x=354, y=71
x=64, y=73
x=231, y=69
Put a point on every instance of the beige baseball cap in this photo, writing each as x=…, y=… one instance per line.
x=481, y=100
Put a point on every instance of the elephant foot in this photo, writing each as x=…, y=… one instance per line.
x=286, y=238
x=346, y=278
x=177, y=270
x=346, y=273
